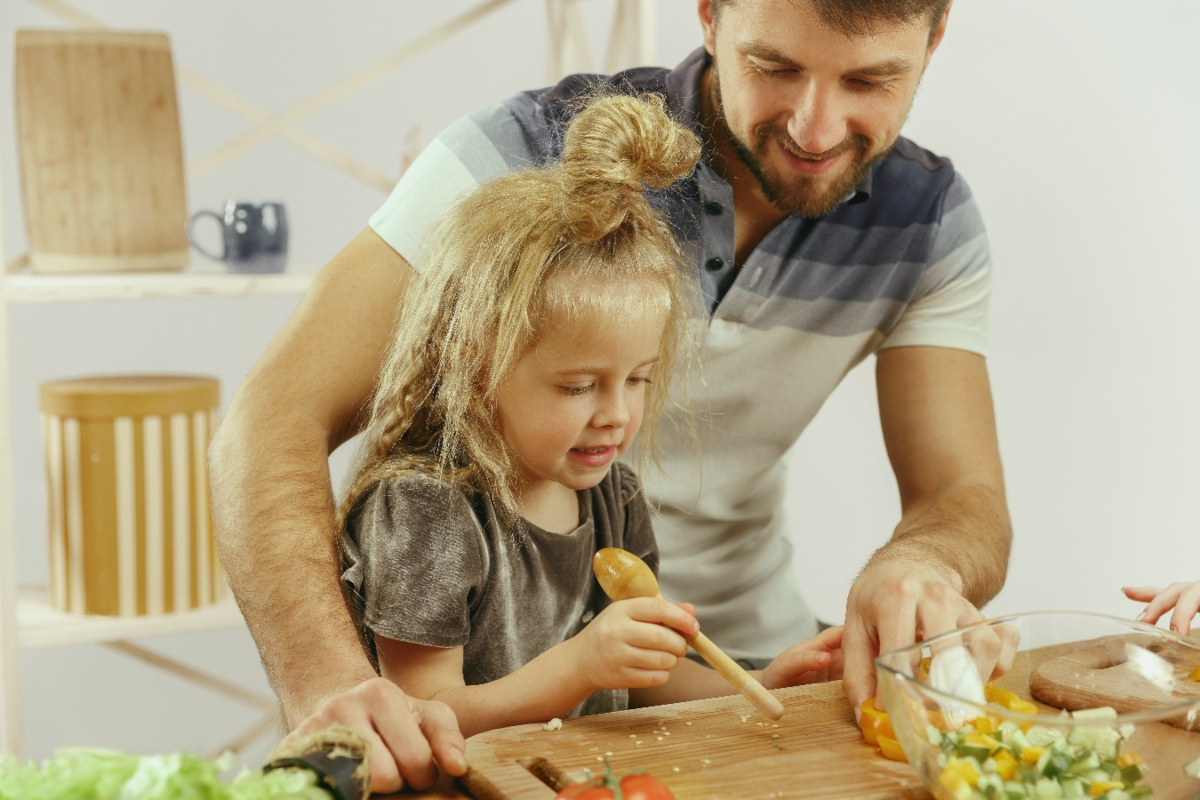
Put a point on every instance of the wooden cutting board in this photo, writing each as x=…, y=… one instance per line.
x=1112, y=671
x=100, y=151
x=718, y=748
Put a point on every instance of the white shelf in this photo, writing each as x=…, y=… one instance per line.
x=41, y=625
x=29, y=288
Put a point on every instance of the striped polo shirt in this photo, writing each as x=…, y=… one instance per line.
x=903, y=261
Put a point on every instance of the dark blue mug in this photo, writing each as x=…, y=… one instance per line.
x=255, y=236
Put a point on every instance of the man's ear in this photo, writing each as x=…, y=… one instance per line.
x=706, y=24
x=938, y=34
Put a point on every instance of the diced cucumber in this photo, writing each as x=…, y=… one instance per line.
x=1087, y=761
x=1073, y=787
x=1131, y=774
x=979, y=752
x=1192, y=768
x=1049, y=789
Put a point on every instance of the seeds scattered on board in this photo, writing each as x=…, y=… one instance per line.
x=745, y=717
x=553, y=725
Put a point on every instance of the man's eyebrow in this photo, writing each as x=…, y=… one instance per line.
x=892, y=66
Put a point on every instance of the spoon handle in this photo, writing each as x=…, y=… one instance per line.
x=741, y=680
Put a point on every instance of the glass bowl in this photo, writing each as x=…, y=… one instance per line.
x=1078, y=705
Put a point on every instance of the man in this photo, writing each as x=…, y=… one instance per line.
x=818, y=237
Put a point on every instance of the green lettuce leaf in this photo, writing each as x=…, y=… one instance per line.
x=83, y=773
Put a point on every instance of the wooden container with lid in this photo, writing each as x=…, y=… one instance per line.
x=127, y=484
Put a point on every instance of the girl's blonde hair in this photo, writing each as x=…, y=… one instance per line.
x=505, y=259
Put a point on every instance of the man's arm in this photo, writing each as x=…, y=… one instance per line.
x=273, y=513
x=949, y=554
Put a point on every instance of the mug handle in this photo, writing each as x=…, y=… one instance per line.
x=192, y=222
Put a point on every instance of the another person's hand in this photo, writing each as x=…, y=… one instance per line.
x=1183, y=597
x=894, y=603
x=813, y=661
x=633, y=644
x=409, y=738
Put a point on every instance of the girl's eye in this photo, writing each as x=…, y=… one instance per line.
x=575, y=390
x=636, y=380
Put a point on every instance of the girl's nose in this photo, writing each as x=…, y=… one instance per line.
x=613, y=411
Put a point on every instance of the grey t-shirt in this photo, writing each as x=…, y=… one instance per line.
x=435, y=565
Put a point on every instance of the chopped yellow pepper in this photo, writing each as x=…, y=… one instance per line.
x=1030, y=755
x=1100, y=787
x=1130, y=759
x=1006, y=765
x=891, y=748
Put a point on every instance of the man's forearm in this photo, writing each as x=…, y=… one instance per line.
x=274, y=522
x=964, y=533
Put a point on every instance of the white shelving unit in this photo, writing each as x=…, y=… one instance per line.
x=27, y=620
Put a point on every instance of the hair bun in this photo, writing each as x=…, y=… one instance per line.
x=614, y=149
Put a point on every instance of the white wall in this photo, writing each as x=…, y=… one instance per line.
x=1073, y=122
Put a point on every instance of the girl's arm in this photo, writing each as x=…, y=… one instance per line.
x=544, y=688
x=817, y=659
x=630, y=644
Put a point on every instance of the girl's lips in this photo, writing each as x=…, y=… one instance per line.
x=593, y=456
x=806, y=165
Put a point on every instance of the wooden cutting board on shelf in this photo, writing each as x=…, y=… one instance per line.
x=718, y=748
x=101, y=154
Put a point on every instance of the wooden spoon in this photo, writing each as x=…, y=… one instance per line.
x=623, y=576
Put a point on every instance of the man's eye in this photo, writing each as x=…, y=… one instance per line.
x=868, y=86
x=770, y=71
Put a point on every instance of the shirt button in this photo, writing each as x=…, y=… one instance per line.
x=714, y=264
x=713, y=208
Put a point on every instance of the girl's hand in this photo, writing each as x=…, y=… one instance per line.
x=818, y=659
x=634, y=644
x=1183, y=597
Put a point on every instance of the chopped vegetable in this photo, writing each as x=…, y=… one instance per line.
x=96, y=774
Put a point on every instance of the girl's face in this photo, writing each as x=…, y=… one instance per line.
x=574, y=402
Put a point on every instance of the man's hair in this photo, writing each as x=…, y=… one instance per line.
x=858, y=17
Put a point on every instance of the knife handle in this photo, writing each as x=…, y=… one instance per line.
x=741, y=680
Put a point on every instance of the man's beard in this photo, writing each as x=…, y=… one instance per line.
x=802, y=195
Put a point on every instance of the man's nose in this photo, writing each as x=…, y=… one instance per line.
x=817, y=122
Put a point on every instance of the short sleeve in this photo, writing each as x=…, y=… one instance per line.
x=415, y=561
x=950, y=308
x=471, y=150
x=639, y=533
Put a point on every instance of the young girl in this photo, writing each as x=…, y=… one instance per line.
x=539, y=342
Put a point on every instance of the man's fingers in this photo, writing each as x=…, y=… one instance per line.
x=440, y=727
x=858, y=666
x=401, y=733
x=1010, y=640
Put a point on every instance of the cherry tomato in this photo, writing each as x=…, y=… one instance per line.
x=637, y=786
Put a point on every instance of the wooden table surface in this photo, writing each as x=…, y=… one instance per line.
x=718, y=748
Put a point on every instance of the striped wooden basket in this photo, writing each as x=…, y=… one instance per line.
x=130, y=527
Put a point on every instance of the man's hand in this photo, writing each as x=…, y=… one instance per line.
x=408, y=738
x=893, y=604
x=813, y=661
